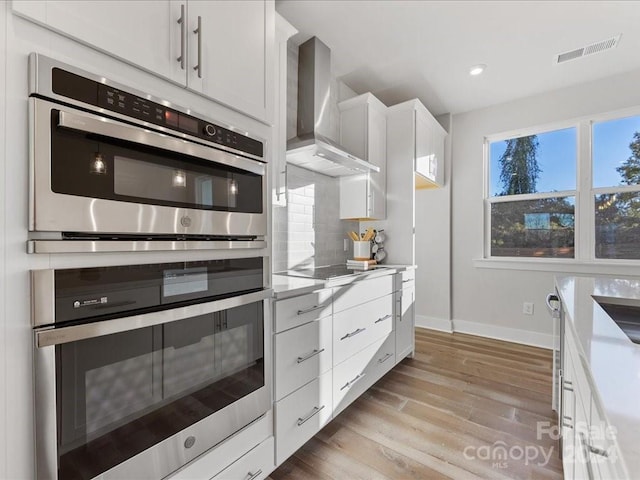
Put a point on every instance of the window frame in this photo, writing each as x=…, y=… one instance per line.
x=584, y=195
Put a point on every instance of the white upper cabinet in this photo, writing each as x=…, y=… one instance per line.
x=228, y=59
x=429, y=156
x=363, y=132
x=231, y=53
x=140, y=32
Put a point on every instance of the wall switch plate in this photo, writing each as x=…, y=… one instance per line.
x=527, y=308
x=346, y=245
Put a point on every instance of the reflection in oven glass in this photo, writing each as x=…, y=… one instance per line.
x=120, y=394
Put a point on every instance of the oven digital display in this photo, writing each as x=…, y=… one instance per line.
x=184, y=281
x=187, y=123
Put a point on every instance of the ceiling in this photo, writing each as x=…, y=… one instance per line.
x=400, y=50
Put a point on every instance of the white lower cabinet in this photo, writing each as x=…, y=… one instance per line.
x=301, y=415
x=589, y=448
x=357, y=327
x=405, y=315
x=303, y=354
x=355, y=375
x=330, y=346
x=255, y=465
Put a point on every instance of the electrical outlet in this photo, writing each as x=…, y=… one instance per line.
x=527, y=308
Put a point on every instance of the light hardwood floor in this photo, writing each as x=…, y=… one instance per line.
x=453, y=411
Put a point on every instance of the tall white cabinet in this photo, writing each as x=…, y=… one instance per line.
x=363, y=132
x=222, y=50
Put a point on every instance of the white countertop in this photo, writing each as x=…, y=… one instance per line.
x=285, y=286
x=614, y=360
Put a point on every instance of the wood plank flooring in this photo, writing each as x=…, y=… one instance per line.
x=465, y=407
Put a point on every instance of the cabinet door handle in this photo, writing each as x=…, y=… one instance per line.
x=597, y=451
x=182, y=22
x=382, y=319
x=307, y=310
x=352, y=382
x=313, y=413
x=198, y=31
x=407, y=281
x=253, y=476
x=353, y=334
x=385, y=358
x=311, y=355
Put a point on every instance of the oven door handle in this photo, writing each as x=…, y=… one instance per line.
x=56, y=336
x=88, y=123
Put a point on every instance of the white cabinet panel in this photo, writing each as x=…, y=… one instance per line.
x=361, y=292
x=355, y=375
x=357, y=327
x=255, y=465
x=363, y=132
x=231, y=54
x=146, y=34
x=301, y=415
x=292, y=312
x=226, y=47
x=405, y=319
x=429, y=157
x=301, y=354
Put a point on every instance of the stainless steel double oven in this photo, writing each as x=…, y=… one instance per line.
x=140, y=368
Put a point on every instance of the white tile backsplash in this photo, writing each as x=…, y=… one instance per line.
x=308, y=231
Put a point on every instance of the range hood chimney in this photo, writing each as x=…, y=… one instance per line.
x=311, y=149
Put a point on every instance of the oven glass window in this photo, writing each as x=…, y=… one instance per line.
x=94, y=166
x=119, y=394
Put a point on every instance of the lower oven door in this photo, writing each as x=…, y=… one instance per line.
x=140, y=396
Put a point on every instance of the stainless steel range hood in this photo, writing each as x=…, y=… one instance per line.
x=311, y=149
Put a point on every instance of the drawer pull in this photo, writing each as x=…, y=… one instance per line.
x=353, y=334
x=385, y=358
x=568, y=382
x=568, y=425
x=597, y=451
x=307, y=310
x=382, y=319
x=352, y=382
x=311, y=355
x=568, y=389
x=253, y=476
x=406, y=281
x=313, y=413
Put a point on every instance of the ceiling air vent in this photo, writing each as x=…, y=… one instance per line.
x=588, y=50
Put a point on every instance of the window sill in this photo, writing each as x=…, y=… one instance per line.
x=619, y=267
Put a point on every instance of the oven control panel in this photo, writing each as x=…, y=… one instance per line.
x=116, y=100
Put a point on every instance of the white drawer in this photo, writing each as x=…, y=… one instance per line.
x=361, y=292
x=301, y=354
x=301, y=415
x=355, y=375
x=257, y=464
x=357, y=327
x=295, y=311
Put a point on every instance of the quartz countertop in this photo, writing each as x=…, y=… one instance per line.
x=285, y=286
x=613, y=359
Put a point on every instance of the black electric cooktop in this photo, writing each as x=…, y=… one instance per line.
x=321, y=273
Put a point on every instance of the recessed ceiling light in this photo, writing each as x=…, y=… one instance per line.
x=477, y=69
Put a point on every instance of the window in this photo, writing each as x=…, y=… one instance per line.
x=532, y=188
x=537, y=184
x=616, y=182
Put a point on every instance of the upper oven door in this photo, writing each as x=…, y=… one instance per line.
x=93, y=174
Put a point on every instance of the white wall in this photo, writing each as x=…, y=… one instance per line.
x=3, y=303
x=489, y=301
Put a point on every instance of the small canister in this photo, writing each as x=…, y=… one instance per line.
x=361, y=250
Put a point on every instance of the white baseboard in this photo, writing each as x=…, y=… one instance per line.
x=515, y=335
x=442, y=324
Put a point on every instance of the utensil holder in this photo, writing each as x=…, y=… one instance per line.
x=361, y=250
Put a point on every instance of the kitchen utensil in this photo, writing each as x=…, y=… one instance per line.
x=353, y=236
x=380, y=255
x=380, y=237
